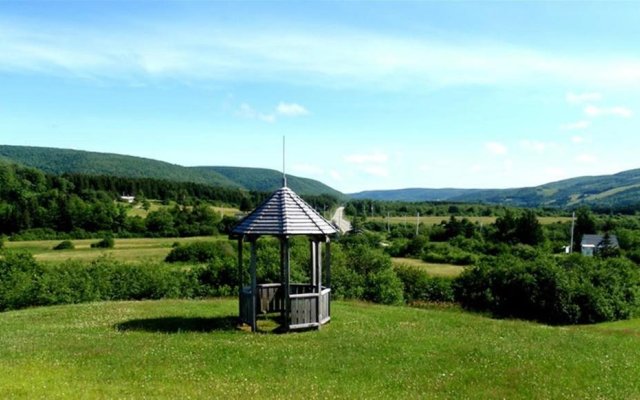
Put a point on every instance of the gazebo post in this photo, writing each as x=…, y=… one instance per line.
x=240, y=275
x=254, y=286
x=327, y=260
x=287, y=284
x=318, y=274
x=312, y=250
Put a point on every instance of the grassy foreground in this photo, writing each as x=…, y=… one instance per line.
x=191, y=349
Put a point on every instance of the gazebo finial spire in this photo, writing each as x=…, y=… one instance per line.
x=284, y=175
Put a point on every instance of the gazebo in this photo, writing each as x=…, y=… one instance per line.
x=301, y=305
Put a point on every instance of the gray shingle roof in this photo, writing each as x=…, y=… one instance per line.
x=596, y=240
x=284, y=213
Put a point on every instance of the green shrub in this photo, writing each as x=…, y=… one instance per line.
x=559, y=291
x=106, y=243
x=366, y=273
x=19, y=281
x=64, y=245
x=443, y=253
x=198, y=252
x=420, y=286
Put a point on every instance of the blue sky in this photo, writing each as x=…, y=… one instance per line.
x=370, y=95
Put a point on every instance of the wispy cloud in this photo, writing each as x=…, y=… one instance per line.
x=579, y=98
x=163, y=48
x=577, y=139
x=586, y=158
x=578, y=125
x=496, y=148
x=593, y=111
x=248, y=112
x=363, y=158
x=308, y=169
x=291, y=110
x=537, y=146
x=376, y=170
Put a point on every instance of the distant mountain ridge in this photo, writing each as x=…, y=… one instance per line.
x=616, y=190
x=59, y=161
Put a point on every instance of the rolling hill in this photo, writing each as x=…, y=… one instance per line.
x=617, y=190
x=60, y=161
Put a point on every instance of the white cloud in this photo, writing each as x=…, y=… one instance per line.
x=536, y=146
x=577, y=139
x=308, y=169
x=586, y=158
x=336, y=175
x=376, y=170
x=496, y=148
x=291, y=110
x=248, y=112
x=375, y=157
x=202, y=50
x=593, y=111
x=579, y=98
x=576, y=125
x=554, y=173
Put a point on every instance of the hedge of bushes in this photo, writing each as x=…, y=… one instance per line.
x=566, y=290
x=26, y=283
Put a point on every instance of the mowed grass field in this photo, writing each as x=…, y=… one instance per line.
x=435, y=219
x=137, y=249
x=173, y=349
x=444, y=270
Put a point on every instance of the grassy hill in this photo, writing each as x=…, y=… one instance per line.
x=267, y=180
x=59, y=161
x=191, y=349
x=413, y=194
x=617, y=190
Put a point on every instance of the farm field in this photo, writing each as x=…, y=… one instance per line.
x=156, y=205
x=149, y=249
x=192, y=349
x=437, y=219
x=445, y=270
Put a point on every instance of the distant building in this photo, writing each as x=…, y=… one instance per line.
x=127, y=199
x=591, y=244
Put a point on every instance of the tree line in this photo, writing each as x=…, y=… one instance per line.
x=43, y=205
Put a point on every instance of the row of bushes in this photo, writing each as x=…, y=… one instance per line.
x=26, y=283
x=557, y=290
x=566, y=290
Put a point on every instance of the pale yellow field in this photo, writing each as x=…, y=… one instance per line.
x=446, y=270
x=137, y=249
x=437, y=219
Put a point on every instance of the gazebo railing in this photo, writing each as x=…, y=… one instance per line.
x=307, y=307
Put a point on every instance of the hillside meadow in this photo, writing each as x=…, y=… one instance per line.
x=136, y=249
x=192, y=349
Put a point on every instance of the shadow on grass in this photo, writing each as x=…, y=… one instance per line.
x=180, y=324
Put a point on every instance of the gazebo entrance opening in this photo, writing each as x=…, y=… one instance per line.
x=301, y=305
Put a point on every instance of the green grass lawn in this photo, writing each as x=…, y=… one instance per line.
x=446, y=270
x=191, y=349
x=137, y=249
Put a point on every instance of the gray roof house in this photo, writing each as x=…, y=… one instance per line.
x=592, y=243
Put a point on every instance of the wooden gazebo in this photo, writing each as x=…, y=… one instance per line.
x=301, y=305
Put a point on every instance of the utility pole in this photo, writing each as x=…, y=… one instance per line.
x=573, y=226
x=417, y=224
x=388, y=228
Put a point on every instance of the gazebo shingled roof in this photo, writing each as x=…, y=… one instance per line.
x=284, y=213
